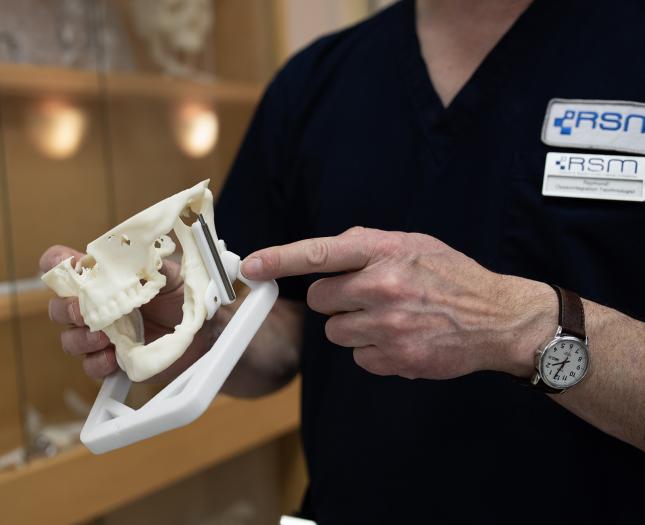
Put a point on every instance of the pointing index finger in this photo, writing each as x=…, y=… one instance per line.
x=319, y=255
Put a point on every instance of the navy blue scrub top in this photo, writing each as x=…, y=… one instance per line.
x=351, y=132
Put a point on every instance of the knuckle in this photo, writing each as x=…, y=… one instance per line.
x=317, y=253
x=272, y=262
x=332, y=330
x=95, y=340
x=109, y=360
x=64, y=341
x=65, y=311
x=74, y=311
x=434, y=244
x=68, y=341
x=390, y=284
x=360, y=291
x=391, y=242
x=87, y=367
x=355, y=230
x=395, y=321
x=75, y=341
x=91, y=367
x=100, y=364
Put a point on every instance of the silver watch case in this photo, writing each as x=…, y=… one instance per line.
x=539, y=358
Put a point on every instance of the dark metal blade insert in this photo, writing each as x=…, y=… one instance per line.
x=218, y=260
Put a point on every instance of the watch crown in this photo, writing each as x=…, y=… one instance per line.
x=535, y=378
x=537, y=357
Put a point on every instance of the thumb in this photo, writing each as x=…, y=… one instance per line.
x=172, y=271
x=55, y=254
x=165, y=310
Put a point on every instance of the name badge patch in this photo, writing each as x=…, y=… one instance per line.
x=595, y=124
x=583, y=176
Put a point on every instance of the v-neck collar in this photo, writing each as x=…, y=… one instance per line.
x=482, y=88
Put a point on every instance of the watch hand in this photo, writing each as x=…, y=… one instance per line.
x=555, y=376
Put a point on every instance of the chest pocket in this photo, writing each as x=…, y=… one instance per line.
x=594, y=247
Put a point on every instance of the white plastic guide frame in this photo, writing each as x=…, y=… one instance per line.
x=111, y=424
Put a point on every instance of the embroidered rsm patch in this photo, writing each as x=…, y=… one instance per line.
x=595, y=124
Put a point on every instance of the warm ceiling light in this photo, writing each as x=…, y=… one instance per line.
x=57, y=128
x=196, y=128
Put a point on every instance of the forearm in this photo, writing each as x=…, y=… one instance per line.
x=271, y=359
x=412, y=306
x=612, y=395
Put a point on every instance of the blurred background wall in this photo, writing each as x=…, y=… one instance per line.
x=302, y=21
x=107, y=106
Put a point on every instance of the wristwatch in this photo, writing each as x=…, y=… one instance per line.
x=564, y=361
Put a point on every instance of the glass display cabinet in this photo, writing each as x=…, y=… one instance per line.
x=106, y=107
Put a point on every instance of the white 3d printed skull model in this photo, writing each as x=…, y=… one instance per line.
x=121, y=272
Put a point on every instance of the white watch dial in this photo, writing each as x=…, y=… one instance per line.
x=564, y=362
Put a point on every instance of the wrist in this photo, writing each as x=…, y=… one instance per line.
x=534, y=324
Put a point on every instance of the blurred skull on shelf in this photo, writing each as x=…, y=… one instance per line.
x=174, y=30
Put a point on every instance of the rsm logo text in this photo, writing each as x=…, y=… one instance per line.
x=597, y=165
x=607, y=121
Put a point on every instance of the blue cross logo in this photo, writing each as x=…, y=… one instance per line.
x=559, y=122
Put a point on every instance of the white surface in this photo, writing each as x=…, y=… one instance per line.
x=111, y=424
x=288, y=520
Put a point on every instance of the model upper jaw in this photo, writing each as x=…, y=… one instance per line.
x=120, y=273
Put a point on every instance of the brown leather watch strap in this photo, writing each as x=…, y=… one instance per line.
x=572, y=320
x=572, y=314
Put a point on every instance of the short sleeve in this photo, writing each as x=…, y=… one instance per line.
x=255, y=208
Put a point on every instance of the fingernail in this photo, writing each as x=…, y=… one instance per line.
x=94, y=337
x=72, y=313
x=252, y=266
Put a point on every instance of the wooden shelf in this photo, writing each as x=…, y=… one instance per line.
x=32, y=302
x=48, y=80
x=78, y=486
